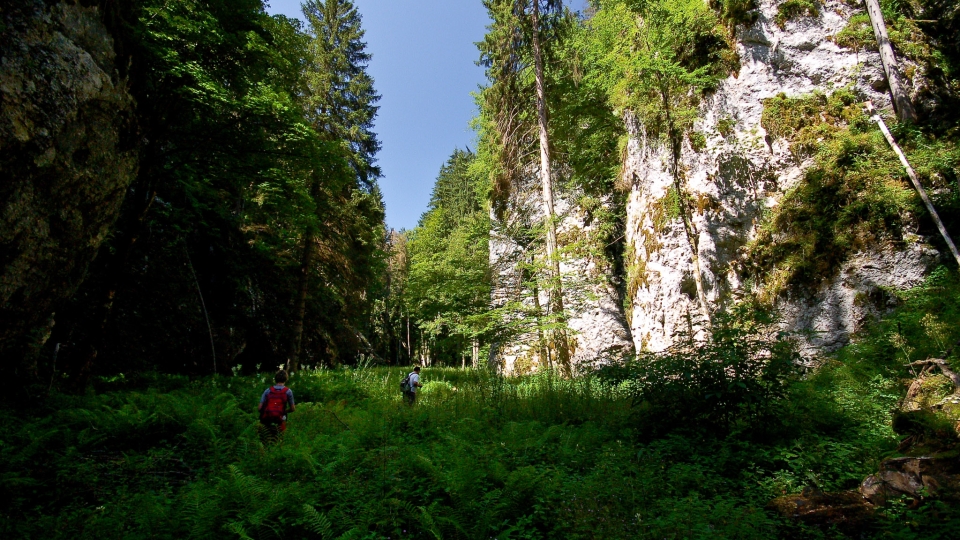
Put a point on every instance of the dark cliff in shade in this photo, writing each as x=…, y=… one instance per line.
x=67, y=156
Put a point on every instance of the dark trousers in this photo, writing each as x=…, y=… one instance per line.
x=271, y=433
x=410, y=397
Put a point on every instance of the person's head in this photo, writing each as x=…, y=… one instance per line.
x=416, y=369
x=280, y=377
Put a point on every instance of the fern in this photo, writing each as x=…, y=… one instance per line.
x=316, y=522
x=237, y=528
x=429, y=524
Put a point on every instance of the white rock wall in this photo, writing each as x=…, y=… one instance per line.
x=598, y=328
x=745, y=172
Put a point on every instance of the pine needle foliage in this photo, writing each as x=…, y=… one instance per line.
x=340, y=99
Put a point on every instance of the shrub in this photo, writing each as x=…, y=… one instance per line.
x=736, y=376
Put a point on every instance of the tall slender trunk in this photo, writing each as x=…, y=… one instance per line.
x=901, y=102
x=81, y=362
x=544, y=351
x=690, y=228
x=300, y=312
x=203, y=305
x=546, y=182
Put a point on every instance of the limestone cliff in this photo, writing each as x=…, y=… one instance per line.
x=736, y=175
x=739, y=174
x=597, y=325
x=67, y=154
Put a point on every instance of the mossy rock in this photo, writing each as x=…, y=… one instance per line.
x=794, y=9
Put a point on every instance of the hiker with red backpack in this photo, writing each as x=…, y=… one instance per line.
x=275, y=403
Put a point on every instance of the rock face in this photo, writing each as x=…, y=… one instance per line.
x=914, y=477
x=67, y=154
x=598, y=327
x=737, y=176
x=847, y=510
x=740, y=173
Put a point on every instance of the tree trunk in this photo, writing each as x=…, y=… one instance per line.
x=203, y=305
x=546, y=181
x=676, y=140
x=901, y=102
x=544, y=351
x=80, y=363
x=919, y=187
x=293, y=362
x=692, y=239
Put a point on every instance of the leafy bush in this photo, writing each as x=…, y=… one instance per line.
x=736, y=376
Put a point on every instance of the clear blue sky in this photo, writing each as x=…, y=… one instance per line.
x=424, y=68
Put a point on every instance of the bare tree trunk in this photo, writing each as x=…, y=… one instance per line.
x=475, y=357
x=114, y=269
x=300, y=312
x=693, y=239
x=901, y=102
x=541, y=342
x=689, y=227
x=546, y=182
x=919, y=187
x=203, y=305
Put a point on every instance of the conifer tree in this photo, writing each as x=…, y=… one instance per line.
x=339, y=101
x=448, y=285
x=340, y=98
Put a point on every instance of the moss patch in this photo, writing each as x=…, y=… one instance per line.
x=857, y=34
x=698, y=141
x=854, y=196
x=793, y=9
x=734, y=12
x=725, y=126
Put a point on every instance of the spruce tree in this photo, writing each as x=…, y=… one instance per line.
x=340, y=98
x=339, y=101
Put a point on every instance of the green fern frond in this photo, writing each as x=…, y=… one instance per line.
x=428, y=523
x=316, y=522
x=237, y=528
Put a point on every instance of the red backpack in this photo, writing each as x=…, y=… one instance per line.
x=275, y=407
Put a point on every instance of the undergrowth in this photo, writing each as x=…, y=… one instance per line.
x=695, y=452
x=854, y=197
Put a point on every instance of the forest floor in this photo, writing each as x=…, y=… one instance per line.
x=479, y=456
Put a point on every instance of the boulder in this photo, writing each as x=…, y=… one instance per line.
x=846, y=510
x=917, y=477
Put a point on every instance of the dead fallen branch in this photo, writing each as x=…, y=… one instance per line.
x=942, y=365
